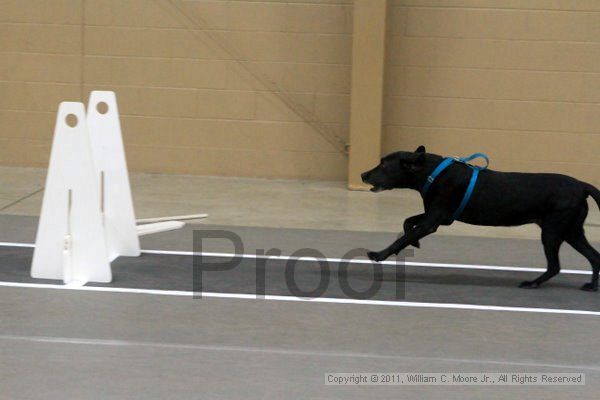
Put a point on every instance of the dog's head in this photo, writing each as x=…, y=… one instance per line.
x=395, y=171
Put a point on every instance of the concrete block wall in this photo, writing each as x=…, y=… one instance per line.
x=190, y=79
x=519, y=80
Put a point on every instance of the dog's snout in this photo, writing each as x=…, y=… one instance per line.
x=364, y=176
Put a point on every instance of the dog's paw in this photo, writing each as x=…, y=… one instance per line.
x=529, y=285
x=588, y=287
x=375, y=256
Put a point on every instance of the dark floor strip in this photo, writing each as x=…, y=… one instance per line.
x=311, y=279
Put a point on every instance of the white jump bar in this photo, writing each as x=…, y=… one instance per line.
x=175, y=218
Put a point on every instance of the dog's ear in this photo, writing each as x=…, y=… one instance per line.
x=420, y=159
x=420, y=149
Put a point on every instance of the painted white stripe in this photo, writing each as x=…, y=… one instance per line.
x=338, y=260
x=276, y=351
x=245, y=296
x=365, y=261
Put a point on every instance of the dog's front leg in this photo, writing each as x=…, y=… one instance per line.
x=410, y=223
x=428, y=225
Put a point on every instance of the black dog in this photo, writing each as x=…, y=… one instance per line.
x=557, y=203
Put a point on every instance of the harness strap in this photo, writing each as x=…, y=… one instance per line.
x=438, y=170
x=464, y=160
x=467, y=195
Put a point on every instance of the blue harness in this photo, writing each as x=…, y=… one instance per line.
x=465, y=160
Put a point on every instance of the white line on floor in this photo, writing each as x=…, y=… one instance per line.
x=339, y=260
x=364, y=261
x=244, y=296
x=263, y=350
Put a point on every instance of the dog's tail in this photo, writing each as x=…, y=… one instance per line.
x=594, y=192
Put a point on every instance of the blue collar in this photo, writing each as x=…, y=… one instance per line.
x=445, y=164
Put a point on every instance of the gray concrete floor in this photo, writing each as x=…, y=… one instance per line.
x=58, y=344
x=264, y=203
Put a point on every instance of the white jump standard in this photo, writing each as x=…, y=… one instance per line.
x=87, y=218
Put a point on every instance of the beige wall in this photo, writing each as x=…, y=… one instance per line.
x=227, y=87
x=204, y=87
x=519, y=80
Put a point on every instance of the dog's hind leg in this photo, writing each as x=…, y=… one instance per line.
x=581, y=244
x=551, y=239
